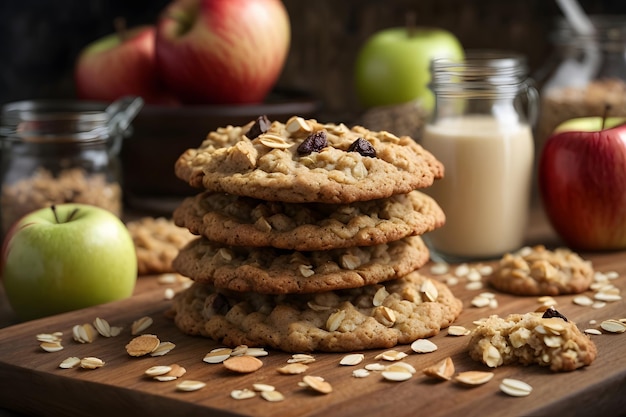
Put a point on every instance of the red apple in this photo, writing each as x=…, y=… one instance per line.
x=118, y=65
x=222, y=51
x=582, y=180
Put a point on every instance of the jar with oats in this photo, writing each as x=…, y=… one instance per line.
x=56, y=152
x=586, y=76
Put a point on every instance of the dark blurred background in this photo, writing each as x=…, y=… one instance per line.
x=40, y=39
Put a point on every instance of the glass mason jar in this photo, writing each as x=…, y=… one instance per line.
x=586, y=74
x=56, y=152
x=481, y=131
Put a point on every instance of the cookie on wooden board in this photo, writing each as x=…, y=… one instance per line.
x=531, y=338
x=369, y=317
x=540, y=271
x=244, y=221
x=303, y=161
x=277, y=271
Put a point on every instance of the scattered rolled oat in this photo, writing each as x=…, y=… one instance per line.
x=257, y=352
x=317, y=384
x=84, y=333
x=515, y=387
x=375, y=367
x=157, y=370
x=293, y=369
x=217, y=355
x=352, y=359
x=593, y=331
x=263, y=387
x=582, y=300
x=444, y=369
x=91, y=363
x=301, y=358
x=391, y=355
x=242, y=394
x=102, y=326
x=458, y=331
x=142, y=345
x=140, y=325
x=473, y=378
x=51, y=346
x=70, y=362
x=163, y=348
x=190, y=385
x=360, y=373
x=272, y=396
x=423, y=346
x=50, y=337
x=397, y=374
x=243, y=364
x=613, y=326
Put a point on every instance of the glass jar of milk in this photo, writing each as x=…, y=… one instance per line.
x=481, y=132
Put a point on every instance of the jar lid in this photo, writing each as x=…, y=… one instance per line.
x=55, y=121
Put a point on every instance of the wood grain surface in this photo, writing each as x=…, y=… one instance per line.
x=33, y=384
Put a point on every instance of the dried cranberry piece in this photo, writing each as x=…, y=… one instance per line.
x=551, y=312
x=363, y=147
x=261, y=125
x=315, y=142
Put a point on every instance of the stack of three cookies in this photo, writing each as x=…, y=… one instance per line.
x=309, y=238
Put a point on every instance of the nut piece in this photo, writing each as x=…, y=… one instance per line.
x=140, y=325
x=190, y=385
x=84, y=333
x=613, y=326
x=91, y=363
x=443, y=369
x=217, y=355
x=293, y=369
x=70, y=362
x=473, y=378
x=272, y=396
x=242, y=394
x=243, y=364
x=163, y=348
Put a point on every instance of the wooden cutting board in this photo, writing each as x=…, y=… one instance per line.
x=33, y=383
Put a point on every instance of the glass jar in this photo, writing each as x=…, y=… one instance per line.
x=481, y=131
x=56, y=152
x=586, y=74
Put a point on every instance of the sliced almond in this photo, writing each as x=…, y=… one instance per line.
x=49, y=337
x=458, y=331
x=360, y=373
x=243, y=364
x=401, y=366
x=397, y=375
x=473, y=378
x=217, y=355
x=274, y=141
x=163, y=348
x=157, y=370
x=51, y=346
x=257, y=352
x=84, y=333
x=613, y=326
x=375, y=367
x=429, y=291
x=263, y=387
x=582, y=300
x=391, y=355
x=301, y=358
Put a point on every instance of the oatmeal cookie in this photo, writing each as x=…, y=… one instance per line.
x=243, y=221
x=277, y=271
x=157, y=242
x=369, y=317
x=531, y=338
x=303, y=161
x=539, y=271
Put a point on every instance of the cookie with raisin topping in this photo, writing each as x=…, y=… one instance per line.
x=304, y=161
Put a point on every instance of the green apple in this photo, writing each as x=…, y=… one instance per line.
x=65, y=258
x=393, y=66
x=589, y=124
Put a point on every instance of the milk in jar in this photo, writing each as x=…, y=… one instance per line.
x=481, y=133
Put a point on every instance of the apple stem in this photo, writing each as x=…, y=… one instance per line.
x=607, y=109
x=71, y=216
x=54, y=211
x=119, y=23
x=411, y=23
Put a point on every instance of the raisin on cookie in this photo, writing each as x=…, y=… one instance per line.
x=369, y=317
x=539, y=271
x=244, y=221
x=277, y=271
x=304, y=161
x=531, y=338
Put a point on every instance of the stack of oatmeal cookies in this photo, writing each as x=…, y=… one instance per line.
x=309, y=238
